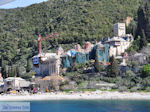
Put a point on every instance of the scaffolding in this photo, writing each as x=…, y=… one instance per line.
x=81, y=57
x=103, y=56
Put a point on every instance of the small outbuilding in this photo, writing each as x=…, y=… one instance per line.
x=15, y=83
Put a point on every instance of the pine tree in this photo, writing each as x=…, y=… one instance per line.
x=112, y=69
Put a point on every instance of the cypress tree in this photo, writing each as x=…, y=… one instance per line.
x=17, y=72
x=28, y=67
x=144, y=19
x=141, y=20
x=143, y=41
x=9, y=71
x=112, y=69
x=3, y=69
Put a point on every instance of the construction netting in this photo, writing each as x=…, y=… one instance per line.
x=103, y=56
x=66, y=62
x=106, y=55
x=82, y=57
x=103, y=53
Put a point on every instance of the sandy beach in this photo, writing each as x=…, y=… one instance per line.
x=77, y=96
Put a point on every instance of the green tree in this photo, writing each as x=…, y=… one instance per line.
x=135, y=45
x=144, y=19
x=131, y=76
x=143, y=41
x=17, y=72
x=141, y=20
x=112, y=69
x=131, y=29
x=146, y=82
x=3, y=69
x=145, y=71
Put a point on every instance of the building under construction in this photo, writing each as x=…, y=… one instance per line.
x=49, y=63
x=80, y=55
x=46, y=64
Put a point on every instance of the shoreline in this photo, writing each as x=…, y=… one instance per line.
x=100, y=95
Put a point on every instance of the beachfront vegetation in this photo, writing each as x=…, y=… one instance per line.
x=146, y=71
x=130, y=80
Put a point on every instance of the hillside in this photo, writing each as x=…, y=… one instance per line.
x=75, y=20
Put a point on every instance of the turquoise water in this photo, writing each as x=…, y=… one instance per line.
x=91, y=106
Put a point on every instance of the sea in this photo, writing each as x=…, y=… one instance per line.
x=90, y=106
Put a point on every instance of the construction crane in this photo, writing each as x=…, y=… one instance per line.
x=40, y=40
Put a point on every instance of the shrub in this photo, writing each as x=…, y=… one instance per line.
x=134, y=89
x=122, y=89
x=146, y=82
x=146, y=71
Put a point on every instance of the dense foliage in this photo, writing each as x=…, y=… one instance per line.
x=75, y=20
x=112, y=69
x=146, y=71
x=144, y=20
x=140, y=27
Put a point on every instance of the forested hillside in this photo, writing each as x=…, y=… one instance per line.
x=75, y=20
x=140, y=28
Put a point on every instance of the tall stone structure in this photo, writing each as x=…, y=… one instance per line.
x=119, y=29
